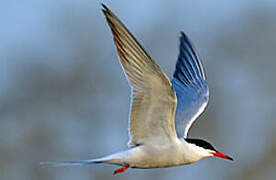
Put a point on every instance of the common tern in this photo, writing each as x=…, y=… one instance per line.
x=162, y=111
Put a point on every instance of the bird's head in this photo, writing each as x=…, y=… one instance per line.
x=208, y=148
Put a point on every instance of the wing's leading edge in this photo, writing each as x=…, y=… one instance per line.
x=189, y=83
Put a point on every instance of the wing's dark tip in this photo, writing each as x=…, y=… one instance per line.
x=184, y=37
x=190, y=59
x=105, y=9
x=183, y=34
x=108, y=14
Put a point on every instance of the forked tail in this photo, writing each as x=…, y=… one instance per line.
x=73, y=163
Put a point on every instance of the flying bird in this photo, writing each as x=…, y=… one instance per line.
x=162, y=111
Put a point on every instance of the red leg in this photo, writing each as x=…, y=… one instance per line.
x=123, y=169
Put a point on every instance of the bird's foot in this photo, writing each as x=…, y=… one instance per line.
x=123, y=169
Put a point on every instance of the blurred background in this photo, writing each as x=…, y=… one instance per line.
x=64, y=96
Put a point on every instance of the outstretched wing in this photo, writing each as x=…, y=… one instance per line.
x=153, y=98
x=190, y=85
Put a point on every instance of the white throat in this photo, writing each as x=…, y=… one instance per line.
x=193, y=153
